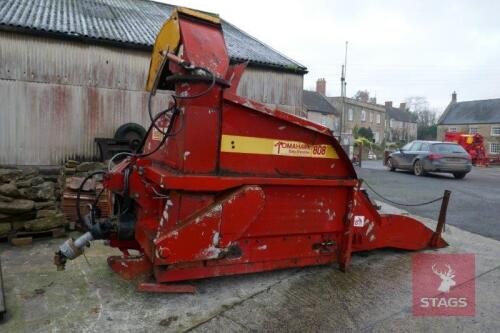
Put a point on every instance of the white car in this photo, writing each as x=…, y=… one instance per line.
x=371, y=155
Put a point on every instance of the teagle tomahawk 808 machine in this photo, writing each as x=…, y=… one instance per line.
x=224, y=185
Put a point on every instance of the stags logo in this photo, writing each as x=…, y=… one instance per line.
x=443, y=285
x=446, y=279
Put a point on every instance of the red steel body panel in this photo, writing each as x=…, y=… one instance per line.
x=209, y=206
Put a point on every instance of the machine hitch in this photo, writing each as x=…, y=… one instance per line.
x=224, y=185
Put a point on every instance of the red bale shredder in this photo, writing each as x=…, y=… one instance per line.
x=224, y=185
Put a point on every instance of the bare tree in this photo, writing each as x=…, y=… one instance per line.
x=362, y=95
x=424, y=116
x=420, y=108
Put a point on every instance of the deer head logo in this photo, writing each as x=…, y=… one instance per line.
x=446, y=278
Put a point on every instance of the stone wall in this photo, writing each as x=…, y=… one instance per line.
x=31, y=198
x=29, y=201
x=374, y=116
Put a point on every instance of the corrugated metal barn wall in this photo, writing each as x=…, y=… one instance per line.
x=56, y=96
x=274, y=88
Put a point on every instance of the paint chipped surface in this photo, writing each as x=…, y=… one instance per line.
x=370, y=227
x=211, y=252
x=331, y=214
x=186, y=154
x=372, y=237
x=262, y=247
x=173, y=234
x=164, y=218
x=215, y=211
x=215, y=238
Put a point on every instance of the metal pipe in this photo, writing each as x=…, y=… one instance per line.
x=442, y=212
x=441, y=220
x=71, y=249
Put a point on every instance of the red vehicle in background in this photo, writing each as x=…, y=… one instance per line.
x=472, y=143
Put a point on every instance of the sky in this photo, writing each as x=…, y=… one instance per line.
x=396, y=49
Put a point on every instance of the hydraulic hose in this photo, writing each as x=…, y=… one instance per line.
x=80, y=189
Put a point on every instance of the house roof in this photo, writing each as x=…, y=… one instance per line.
x=124, y=23
x=316, y=102
x=486, y=111
x=352, y=101
x=398, y=114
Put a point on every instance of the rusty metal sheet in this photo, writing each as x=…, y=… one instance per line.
x=41, y=59
x=58, y=95
x=46, y=124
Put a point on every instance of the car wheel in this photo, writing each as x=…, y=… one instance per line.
x=418, y=169
x=390, y=165
x=459, y=175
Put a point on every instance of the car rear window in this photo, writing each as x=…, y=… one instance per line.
x=447, y=148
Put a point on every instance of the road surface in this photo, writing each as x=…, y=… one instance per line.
x=474, y=204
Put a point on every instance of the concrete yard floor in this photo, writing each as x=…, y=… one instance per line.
x=373, y=296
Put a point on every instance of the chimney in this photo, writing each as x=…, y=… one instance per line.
x=321, y=86
x=402, y=106
x=388, y=104
x=454, y=97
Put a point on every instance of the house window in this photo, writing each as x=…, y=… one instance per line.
x=472, y=130
x=371, y=117
x=363, y=115
x=494, y=148
x=452, y=129
x=350, y=115
x=324, y=120
x=391, y=123
x=378, y=119
x=495, y=131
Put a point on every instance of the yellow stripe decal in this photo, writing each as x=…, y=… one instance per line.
x=264, y=146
